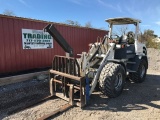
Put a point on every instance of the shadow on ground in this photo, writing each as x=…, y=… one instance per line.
x=134, y=97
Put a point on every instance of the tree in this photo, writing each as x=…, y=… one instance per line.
x=120, y=30
x=148, y=37
x=74, y=23
x=8, y=12
x=88, y=24
x=155, y=35
x=123, y=29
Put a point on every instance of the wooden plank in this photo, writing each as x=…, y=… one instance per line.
x=20, y=78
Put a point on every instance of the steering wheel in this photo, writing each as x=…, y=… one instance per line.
x=114, y=35
x=113, y=39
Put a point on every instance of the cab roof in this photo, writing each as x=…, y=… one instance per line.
x=119, y=21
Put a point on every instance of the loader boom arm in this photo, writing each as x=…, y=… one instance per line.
x=59, y=38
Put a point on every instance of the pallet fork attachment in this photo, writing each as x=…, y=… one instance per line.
x=69, y=93
x=67, y=84
x=62, y=109
x=65, y=81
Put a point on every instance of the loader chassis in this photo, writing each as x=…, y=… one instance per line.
x=107, y=64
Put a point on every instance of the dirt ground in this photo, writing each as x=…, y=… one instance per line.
x=137, y=101
x=154, y=59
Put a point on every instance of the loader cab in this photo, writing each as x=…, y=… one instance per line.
x=126, y=31
x=123, y=29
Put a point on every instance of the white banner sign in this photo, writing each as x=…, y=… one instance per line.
x=36, y=39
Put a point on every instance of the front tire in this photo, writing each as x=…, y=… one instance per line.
x=140, y=75
x=112, y=79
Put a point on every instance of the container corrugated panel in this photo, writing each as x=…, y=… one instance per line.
x=14, y=58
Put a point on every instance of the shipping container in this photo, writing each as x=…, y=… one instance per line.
x=13, y=58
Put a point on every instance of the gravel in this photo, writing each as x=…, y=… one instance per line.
x=137, y=102
x=16, y=96
x=154, y=59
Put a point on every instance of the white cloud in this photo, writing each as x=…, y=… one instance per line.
x=119, y=8
x=158, y=22
x=24, y=3
x=114, y=7
x=105, y=4
x=131, y=11
x=78, y=2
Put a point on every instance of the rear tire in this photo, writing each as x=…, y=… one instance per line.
x=112, y=79
x=140, y=75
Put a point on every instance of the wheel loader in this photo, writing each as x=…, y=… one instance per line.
x=106, y=65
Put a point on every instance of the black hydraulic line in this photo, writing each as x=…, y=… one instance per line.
x=59, y=38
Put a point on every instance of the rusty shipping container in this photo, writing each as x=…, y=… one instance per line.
x=13, y=58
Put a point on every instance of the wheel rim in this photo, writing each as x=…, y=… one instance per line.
x=142, y=72
x=118, y=81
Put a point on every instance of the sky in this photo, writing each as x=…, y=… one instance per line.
x=83, y=11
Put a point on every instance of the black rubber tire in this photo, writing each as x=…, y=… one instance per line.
x=108, y=79
x=138, y=77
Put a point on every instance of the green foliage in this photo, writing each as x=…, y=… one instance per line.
x=148, y=37
x=158, y=45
